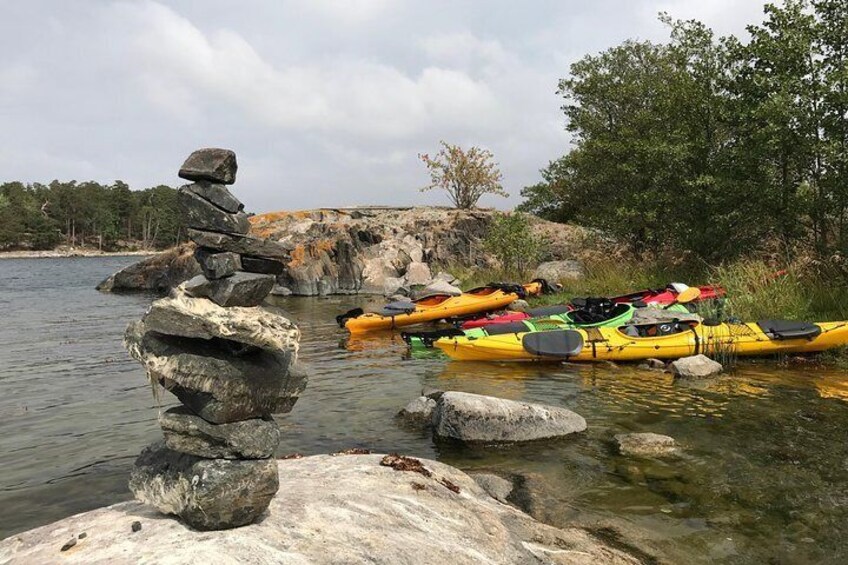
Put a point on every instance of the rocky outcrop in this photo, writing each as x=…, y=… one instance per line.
x=476, y=418
x=645, y=444
x=695, y=367
x=160, y=272
x=230, y=363
x=342, y=509
x=558, y=271
x=378, y=250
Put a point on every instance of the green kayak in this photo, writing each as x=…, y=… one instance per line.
x=620, y=314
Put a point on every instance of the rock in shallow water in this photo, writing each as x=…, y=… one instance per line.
x=418, y=411
x=477, y=418
x=333, y=510
x=208, y=494
x=645, y=444
x=695, y=367
x=187, y=432
x=210, y=164
x=201, y=214
x=240, y=289
x=217, y=381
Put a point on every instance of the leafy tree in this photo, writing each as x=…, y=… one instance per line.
x=464, y=175
x=511, y=240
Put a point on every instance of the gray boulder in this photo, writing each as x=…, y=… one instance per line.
x=187, y=432
x=477, y=418
x=293, y=387
x=210, y=164
x=441, y=287
x=217, y=194
x=497, y=487
x=185, y=316
x=241, y=244
x=201, y=214
x=645, y=444
x=260, y=265
x=208, y=494
x=280, y=290
x=162, y=271
x=217, y=265
x=445, y=276
x=343, y=509
x=240, y=289
x=558, y=271
x=220, y=381
x=418, y=274
x=418, y=411
x=518, y=305
x=695, y=367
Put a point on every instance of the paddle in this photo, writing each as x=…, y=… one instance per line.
x=688, y=295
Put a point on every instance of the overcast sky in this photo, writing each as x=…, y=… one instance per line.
x=326, y=103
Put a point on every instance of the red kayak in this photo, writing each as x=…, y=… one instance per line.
x=649, y=296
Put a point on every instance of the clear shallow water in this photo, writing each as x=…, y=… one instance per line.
x=764, y=475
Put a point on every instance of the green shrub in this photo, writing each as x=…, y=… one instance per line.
x=512, y=242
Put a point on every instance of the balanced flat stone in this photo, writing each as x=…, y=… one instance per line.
x=260, y=265
x=185, y=316
x=241, y=244
x=201, y=214
x=477, y=418
x=208, y=494
x=187, y=432
x=217, y=194
x=217, y=264
x=211, y=164
x=206, y=376
x=239, y=289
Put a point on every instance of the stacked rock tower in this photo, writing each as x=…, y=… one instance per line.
x=230, y=362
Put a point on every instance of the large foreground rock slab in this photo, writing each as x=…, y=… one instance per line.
x=210, y=164
x=344, y=509
x=477, y=418
x=185, y=316
x=209, y=494
x=187, y=432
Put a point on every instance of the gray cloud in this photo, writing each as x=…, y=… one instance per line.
x=325, y=102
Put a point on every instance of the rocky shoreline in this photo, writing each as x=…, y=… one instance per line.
x=71, y=253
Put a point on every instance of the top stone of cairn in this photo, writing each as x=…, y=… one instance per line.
x=210, y=164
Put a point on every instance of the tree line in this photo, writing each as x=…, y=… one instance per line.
x=42, y=216
x=711, y=144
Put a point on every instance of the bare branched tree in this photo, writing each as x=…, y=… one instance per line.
x=464, y=175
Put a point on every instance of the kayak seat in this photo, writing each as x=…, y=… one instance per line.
x=558, y=343
x=508, y=328
x=544, y=311
x=789, y=329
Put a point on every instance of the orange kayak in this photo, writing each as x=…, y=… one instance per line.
x=437, y=307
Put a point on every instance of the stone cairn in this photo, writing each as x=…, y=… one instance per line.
x=231, y=363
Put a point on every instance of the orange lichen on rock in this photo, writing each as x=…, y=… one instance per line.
x=298, y=256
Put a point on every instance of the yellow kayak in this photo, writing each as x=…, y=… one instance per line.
x=437, y=307
x=633, y=343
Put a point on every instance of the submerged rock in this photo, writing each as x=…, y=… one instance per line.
x=477, y=418
x=210, y=164
x=695, y=367
x=185, y=316
x=201, y=214
x=418, y=411
x=497, y=487
x=645, y=444
x=217, y=265
x=187, y=432
x=332, y=510
x=558, y=271
x=217, y=381
x=217, y=194
x=208, y=494
x=239, y=289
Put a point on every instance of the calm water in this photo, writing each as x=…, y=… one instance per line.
x=764, y=475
